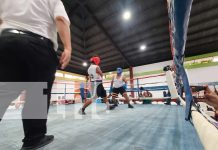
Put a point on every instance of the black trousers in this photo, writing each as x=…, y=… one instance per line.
x=24, y=58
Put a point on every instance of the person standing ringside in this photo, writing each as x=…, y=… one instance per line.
x=28, y=41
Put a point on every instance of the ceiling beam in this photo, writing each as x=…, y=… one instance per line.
x=202, y=40
x=203, y=26
x=103, y=51
x=117, y=62
x=203, y=33
x=202, y=8
x=92, y=15
x=155, y=4
x=150, y=47
x=203, y=17
x=73, y=10
x=149, y=39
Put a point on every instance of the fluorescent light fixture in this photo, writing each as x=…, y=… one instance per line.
x=126, y=15
x=215, y=59
x=143, y=47
x=81, y=78
x=68, y=76
x=58, y=74
x=85, y=64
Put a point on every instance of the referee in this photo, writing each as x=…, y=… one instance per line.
x=28, y=41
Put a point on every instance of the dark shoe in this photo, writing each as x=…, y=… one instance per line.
x=82, y=112
x=130, y=106
x=167, y=103
x=42, y=142
x=116, y=105
x=111, y=107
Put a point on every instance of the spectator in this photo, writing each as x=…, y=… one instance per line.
x=168, y=100
x=147, y=94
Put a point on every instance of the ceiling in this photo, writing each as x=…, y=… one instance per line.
x=97, y=28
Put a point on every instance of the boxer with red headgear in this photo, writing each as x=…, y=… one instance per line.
x=97, y=89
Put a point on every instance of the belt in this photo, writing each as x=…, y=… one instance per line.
x=16, y=31
x=97, y=81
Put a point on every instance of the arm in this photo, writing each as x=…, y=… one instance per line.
x=125, y=85
x=64, y=32
x=211, y=98
x=111, y=87
x=124, y=80
x=98, y=71
x=112, y=82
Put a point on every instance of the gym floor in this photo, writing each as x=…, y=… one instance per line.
x=146, y=127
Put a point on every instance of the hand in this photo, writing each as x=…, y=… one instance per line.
x=65, y=58
x=212, y=99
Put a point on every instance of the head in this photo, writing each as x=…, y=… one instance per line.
x=95, y=60
x=119, y=71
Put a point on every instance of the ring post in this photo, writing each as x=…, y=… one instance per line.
x=138, y=86
x=179, y=13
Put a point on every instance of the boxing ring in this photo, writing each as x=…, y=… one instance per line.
x=146, y=127
x=179, y=13
x=153, y=127
x=67, y=93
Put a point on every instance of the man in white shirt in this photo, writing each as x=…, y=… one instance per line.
x=28, y=41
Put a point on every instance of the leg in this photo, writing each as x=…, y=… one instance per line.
x=115, y=93
x=101, y=92
x=114, y=96
x=93, y=96
x=82, y=94
x=127, y=99
x=11, y=71
x=40, y=67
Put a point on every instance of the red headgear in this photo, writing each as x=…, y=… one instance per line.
x=96, y=60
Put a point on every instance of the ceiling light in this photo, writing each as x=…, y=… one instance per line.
x=85, y=64
x=143, y=47
x=126, y=15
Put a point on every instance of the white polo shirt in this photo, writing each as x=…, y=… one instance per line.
x=37, y=16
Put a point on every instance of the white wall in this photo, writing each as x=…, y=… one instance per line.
x=59, y=87
x=198, y=75
x=206, y=74
x=152, y=67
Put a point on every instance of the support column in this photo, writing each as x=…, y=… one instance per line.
x=131, y=80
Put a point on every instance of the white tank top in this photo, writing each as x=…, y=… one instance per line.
x=93, y=74
x=118, y=82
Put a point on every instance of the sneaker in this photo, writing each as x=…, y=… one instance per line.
x=111, y=107
x=81, y=112
x=167, y=103
x=130, y=106
x=116, y=105
x=41, y=143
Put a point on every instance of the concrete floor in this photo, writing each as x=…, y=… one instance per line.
x=147, y=127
